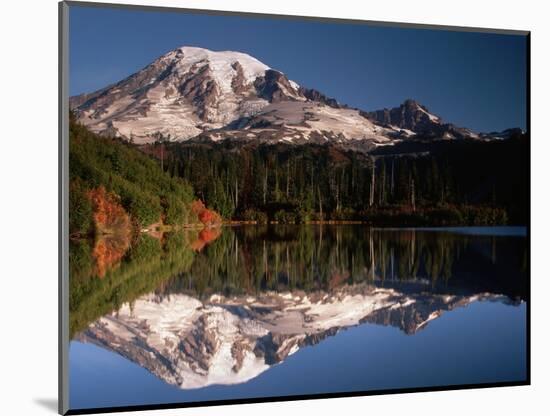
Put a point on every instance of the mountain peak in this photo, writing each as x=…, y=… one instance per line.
x=409, y=102
x=408, y=115
x=193, y=54
x=191, y=91
x=223, y=66
x=183, y=93
x=415, y=119
x=414, y=106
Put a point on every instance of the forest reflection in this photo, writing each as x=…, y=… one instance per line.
x=281, y=258
x=250, y=259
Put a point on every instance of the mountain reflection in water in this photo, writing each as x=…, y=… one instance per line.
x=253, y=295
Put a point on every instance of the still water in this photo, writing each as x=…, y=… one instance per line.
x=258, y=311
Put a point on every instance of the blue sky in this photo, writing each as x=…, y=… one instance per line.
x=471, y=79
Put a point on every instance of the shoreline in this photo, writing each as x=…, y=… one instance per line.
x=372, y=224
x=198, y=227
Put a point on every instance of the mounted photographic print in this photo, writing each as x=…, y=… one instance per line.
x=261, y=208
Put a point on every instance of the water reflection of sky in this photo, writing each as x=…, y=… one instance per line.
x=484, y=342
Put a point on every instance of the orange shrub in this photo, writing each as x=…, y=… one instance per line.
x=209, y=234
x=109, y=215
x=205, y=237
x=206, y=216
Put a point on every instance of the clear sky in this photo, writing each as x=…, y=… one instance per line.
x=474, y=80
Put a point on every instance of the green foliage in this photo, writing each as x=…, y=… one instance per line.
x=128, y=173
x=81, y=261
x=147, y=265
x=144, y=247
x=80, y=213
x=176, y=213
x=144, y=207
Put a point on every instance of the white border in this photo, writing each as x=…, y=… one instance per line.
x=29, y=203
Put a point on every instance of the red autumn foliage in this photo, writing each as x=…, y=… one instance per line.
x=109, y=215
x=209, y=234
x=206, y=236
x=206, y=216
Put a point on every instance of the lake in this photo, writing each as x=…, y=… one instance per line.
x=258, y=311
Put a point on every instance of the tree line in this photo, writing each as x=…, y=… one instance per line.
x=450, y=183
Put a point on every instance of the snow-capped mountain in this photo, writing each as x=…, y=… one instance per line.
x=183, y=93
x=228, y=340
x=195, y=93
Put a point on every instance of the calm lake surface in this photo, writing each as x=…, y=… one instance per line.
x=258, y=311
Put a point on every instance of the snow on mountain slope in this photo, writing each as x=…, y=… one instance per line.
x=183, y=93
x=222, y=65
x=304, y=122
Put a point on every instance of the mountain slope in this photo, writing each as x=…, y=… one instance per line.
x=301, y=122
x=182, y=93
x=415, y=119
x=193, y=92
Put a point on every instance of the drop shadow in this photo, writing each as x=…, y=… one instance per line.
x=49, y=404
